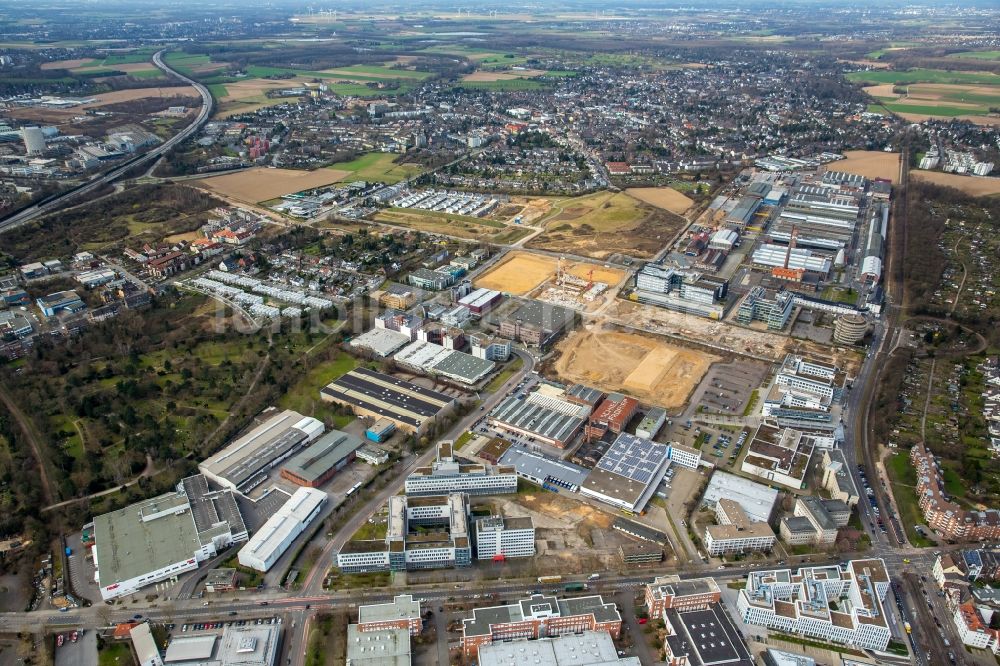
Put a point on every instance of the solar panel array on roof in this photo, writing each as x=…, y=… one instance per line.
x=633, y=457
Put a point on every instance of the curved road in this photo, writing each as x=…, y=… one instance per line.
x=34, y=211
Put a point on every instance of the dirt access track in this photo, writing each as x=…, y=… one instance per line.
x=262, y=184
x=521, y=273
x=644, y=366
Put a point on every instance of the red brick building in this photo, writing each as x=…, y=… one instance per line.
x=681, y=595
x=947, y=517
x=613, y=414
x=402, y=613
x=538, y=617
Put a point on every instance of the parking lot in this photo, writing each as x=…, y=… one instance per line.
x=727, y=387
x=81, y=653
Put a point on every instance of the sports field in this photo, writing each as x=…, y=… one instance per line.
x=378, y=167
x=869, y=163
x=662, y=197
x=522, y=272
x=262, y=184
x=647, y=367
x=605, y=223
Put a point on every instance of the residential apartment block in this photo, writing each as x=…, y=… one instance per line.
x=839, y=605
x=948, y=518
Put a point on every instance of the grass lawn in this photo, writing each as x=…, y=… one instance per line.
x=115, y=654
x=903, y=478
x=361, y=580
x=601, y=211
x=977, y=55
x=512, y=368
x=463, y=439
x=303, y=397
x=924, y=76
x=435, y=222
x=840, y=295
x=371, y=531
x=379, y=167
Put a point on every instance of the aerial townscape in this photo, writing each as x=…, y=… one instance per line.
x=584, y=333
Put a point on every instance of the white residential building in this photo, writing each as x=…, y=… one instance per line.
x=829, y=603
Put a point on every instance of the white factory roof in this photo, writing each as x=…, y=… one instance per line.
x=756, y=499
x=770, y=254
x=385, y=647
x=274, y=534
x=381, y=341
x=591, y=648
x=479, y=297
x=871, y=266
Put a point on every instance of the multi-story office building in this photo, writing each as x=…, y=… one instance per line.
x=736, y=533
x=442, y=539
x=683, y=595
x=402, y=613
x=446, y=475
x=499, y=538
x=839, y=605
x=837, y=477
x=538, y=617
x=685, y=292
x=772, y=308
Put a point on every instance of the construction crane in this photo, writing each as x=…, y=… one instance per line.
x=590, y=280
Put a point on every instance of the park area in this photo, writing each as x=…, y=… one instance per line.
x=263, y=184
x=869, y=163
x=666, y=198
x=605, y=223
x=521, y=273
x=644, y=366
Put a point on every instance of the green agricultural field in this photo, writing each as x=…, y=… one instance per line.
x=218, y=90
x=977, y=55
x=924, y=76
x=934, y=110
x=502, y=86
x=379, y=167
x=185, y=62
x=382, y=72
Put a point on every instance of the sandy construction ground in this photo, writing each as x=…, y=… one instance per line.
x=977, y=186
x=869, y=163
x=67, y=64
x=522, y=272
x=481, y=75
x=662, y=197
x=649, y=368
x=261, y=183
x=139, y=93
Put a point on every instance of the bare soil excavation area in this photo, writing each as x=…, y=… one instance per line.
x=522, y=272
x=644, y=366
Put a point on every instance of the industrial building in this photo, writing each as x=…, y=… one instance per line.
x=538, y=617
x=480, y=301
x=638, y=531
x=160, y=538
x=382, y=647
x=381, y=396
x=779, y=455
x=402, y=613
x=537, y=324
x=437, y=360
x=736, y=532
x=380, y=430
x=317, y=463
x=251, y=645
x=280, y=531
x=769, y=255
x=244, y=464
x=549, y=473
x=829, y=603
x=381, y=342
x=499, y=538
x=549, y=419
x=773, y=308
x=687, y=292
x=681, y=595
x=60, y=301
x=628, y=474
x=442, y=540
x=446, y=475
x=739, y=218
x=706, y=636
x=432, y=280
x=590, y=648
x=372, y=455
x=613, y=414
x=651, y=423
x=757, y=500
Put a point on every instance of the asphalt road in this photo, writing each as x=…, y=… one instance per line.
x=31, y=212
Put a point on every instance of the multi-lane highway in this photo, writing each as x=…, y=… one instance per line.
x=99, y=181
